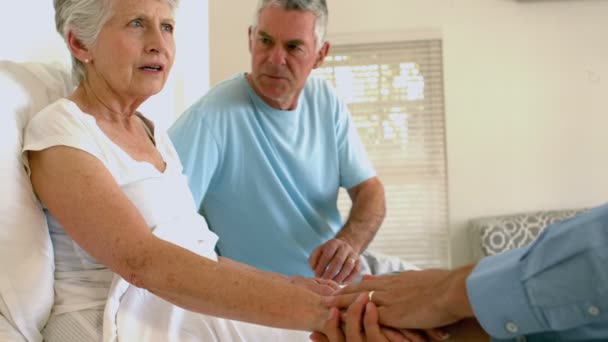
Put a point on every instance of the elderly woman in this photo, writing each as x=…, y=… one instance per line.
x=128, y=240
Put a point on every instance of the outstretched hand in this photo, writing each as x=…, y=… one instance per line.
x=360, y=324
x=335, y=260
x=414, y=299
x=320, y=286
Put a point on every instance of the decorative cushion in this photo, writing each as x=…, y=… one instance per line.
x=496, y=234
x=26, y=252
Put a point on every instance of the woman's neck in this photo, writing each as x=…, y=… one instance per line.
x=103, y=103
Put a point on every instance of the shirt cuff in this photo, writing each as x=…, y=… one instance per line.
x=498, y=296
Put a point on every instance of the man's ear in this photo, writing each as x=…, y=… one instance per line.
x=250, y=37
x=323, y=51
x=79, y=51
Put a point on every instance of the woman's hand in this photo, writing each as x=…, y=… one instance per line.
x=360, y=324
x=324, y=287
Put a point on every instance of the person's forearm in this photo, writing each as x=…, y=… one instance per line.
x=366, y=215
x=453, y=295
x=246, y=268
x=225, y=289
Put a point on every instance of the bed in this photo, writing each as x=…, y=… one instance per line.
x=26, y=251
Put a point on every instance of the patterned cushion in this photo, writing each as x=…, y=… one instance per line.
x=496, y=234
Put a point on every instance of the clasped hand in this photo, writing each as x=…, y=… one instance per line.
x=405, y=307
x=336, y=260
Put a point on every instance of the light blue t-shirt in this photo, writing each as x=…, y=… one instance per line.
x=555, y=289
x=267, y=180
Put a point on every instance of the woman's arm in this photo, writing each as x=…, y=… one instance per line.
x=86, y=200
x=324, y=287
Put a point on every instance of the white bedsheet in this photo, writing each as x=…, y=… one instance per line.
x=134, y=314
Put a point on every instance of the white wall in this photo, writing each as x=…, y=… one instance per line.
x=29, y=35
x=525, y=87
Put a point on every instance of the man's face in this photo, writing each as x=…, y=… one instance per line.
x=283, y=55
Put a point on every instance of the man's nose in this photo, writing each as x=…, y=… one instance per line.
x=277, y=55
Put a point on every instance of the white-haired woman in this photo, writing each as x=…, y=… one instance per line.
x=128, y=240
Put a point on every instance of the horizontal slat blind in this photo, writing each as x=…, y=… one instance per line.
x=395, y=94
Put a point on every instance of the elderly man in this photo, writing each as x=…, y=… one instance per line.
x=267, y=151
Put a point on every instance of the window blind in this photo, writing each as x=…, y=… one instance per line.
x=395, y=94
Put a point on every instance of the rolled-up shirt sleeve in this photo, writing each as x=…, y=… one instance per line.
x=558, y=283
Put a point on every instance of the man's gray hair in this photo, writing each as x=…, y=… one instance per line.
x=85, y=19
x=317, y=7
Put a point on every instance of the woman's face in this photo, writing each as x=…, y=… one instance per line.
x=135, y=49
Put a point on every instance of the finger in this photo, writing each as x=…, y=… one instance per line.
x=330, y=288
x=354, y=273
x=365, y=285
x=370, y=322
x=393, y=335
x=369, y=277
x=328, y=282
x=353, y=318
x=318, y=337
x=313, y=260
x=437, y=334
x=323, y=290
x=338, y=261
x=327, y=255
x=413, y=335
x=340, y=301
x=380, y=298
x=333, y=332
x=356, y=288
x=347, y=268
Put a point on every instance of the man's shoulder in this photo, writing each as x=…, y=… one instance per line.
x=319, y=89
x=225, y=93
x=225, y=97
x=318, y=83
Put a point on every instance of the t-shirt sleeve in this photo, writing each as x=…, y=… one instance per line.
x=54, y=126
x=198, y=151
x=355, y=166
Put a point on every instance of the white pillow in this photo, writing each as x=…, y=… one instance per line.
x=8, y=333
x=26, y=252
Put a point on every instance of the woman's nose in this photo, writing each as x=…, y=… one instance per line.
x=156, y=41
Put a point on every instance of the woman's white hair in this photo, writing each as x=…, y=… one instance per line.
x=317, y=7
x=85, y=19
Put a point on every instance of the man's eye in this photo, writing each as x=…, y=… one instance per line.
x=265, y=40
x=167, y=28
x=136, y=23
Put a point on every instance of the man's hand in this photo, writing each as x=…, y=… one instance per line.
x=336, y=260
x=360, y=324
x=324, y=287
x=415, y=299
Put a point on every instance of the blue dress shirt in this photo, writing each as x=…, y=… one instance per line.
x=555, y=289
